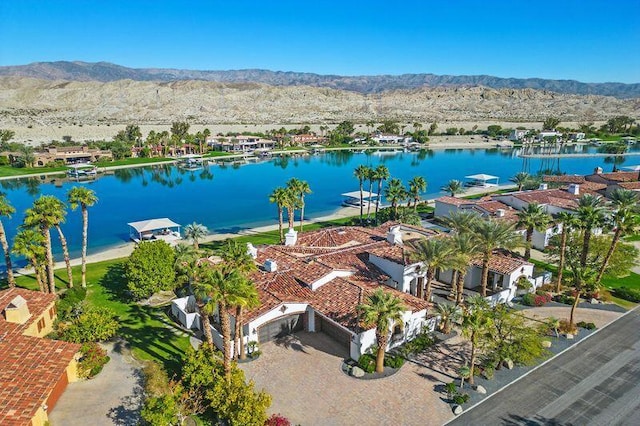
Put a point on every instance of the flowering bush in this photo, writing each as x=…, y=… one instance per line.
x=538, y=299
x=277, y=420
x=92, y=361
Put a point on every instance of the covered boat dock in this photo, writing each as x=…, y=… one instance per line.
x=482, y=180
x=155, y=229
x=352, y=199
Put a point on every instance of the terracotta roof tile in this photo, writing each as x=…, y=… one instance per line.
x=621, y=176
x=564, y=179
x=502, y=262
x=453, y=200
x=629, y=185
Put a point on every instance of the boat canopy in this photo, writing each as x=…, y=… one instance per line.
x=356, y=194
x=482, y=179
x=153, y=225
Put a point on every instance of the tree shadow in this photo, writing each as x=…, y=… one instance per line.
x=515, y=420
x=128, y=412
x=113, y=281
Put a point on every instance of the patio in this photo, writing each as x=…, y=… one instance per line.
x=303, y=375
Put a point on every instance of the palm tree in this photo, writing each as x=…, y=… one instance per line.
x=380, y=174
x=449, y=314
x=533, y=217
x=279, y=197
x=203, y=288
x=6, y=210
x=475, y=322
x=83, y=197
x=371, y=177
x=299, y=188
x=434, y=253
x=461, y=221
x=568, y=222
x=186, y=265
x=453, y=187
x=625, y=220
x=417, y=185
x=521, y=179
x=491, y=235
x=590, y=215
x=396, y=193
x=380, y=309
x=195, y=232
x=48, y=212
x=584, y=277
x=30, y=244
x=361, y=172
x=465, y=247
x=236, y=257
x=246, y=298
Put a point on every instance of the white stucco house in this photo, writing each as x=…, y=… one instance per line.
x=314, y=283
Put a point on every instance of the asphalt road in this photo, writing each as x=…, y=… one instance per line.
x=596, y=382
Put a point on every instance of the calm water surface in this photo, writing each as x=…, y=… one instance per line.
x=227, y=198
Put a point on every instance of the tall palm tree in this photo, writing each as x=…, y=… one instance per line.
x=6, y=210
x=48, y=212
x=584, y=277
x=203, y=288
x=590, y=214
x=417, y=185
x=83, y=197
x=186, y=265
x=299, y=188
x=568, y=221
x=361, y=172
x=236, y=257
x=533, y=217
x=396, y=193
x=625, y=220
x=30, y=244
x=195, y=232
x=491, y=235
x=380, y=174
x=381, y=309
x=434, y=253
x=292, y=202
x=521, y=179
x=279, y=197
x=475, y=322
x=371, y=177
x=453, y=187
x=465, y=247
x=246, y=297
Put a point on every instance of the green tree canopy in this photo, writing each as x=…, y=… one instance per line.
x=150, y=269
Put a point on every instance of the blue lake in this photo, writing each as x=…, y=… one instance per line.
x=227, y=198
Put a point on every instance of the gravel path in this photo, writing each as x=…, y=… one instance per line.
x=113, y=397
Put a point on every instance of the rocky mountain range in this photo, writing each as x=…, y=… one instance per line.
x=108, y=72
x=28, y=102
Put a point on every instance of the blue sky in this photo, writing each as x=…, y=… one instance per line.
x=586, y=40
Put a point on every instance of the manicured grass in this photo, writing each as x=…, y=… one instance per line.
x=217, y=154
x=630, y=281
x=484, y=194
x=142, y=326
x=631, y=238
x=132, y=161
x=15, y=171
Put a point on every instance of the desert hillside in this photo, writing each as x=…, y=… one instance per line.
x=33, y=103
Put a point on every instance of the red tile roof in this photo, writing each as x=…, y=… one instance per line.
x=30, y=367
x=564, y=179
x=621, y=176
x=629, y=185
x=319, y=254
x=454, y=201
x=502, y=262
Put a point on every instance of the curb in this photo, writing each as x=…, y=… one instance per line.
x=542, y=364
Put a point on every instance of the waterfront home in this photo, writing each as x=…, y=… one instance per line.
x=240, y=143
x=386, y=139
x=314, y=283
x=34, y=371
x=518, y=135
x=63, y=154
x=547, y=134
x=617, y=180
x=306, y=139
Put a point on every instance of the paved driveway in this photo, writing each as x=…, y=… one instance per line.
x=304, y=377
x=113, y=397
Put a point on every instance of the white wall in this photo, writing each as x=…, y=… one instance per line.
x=275, y=313
x=444, y=209
x=393, y=269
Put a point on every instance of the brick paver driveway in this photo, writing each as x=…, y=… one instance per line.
x=304, y=377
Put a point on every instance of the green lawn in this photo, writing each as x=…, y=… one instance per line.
x=131, y=161
x=217, y=154
x=15, y=171
x=631, y=238
x=142, y=326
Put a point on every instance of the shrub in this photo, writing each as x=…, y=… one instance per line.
x=277, y=420
x=92, y=361
x=451, y=388
x=542, y=299
x=527, y=299
x=586, y=325
x=94, y=324
x=488, y=372
x=70, y=305
x=461, y=398
x=566, y=298
x=367, y=362
x=565, y=327
x=150, y=269
x=393, y=361
x=630, y=294
x=421, y=342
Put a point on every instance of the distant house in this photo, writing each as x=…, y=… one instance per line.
x=518, y=135
x=576, y=136
x=240, y=143
x=307, y=139
x=385, y=139
x=70, y=155
x=34, y=371
x=548, y=134
x=616, y=180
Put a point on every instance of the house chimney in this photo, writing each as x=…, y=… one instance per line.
x=543, y=187
x=394, y=236
x=17, y=311
x=270, y=265
x=291, y=237
x=252, y=251
x=500, y=212
x=574, y=189
x=597, y=171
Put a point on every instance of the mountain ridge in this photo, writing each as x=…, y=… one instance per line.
x=372, y=84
